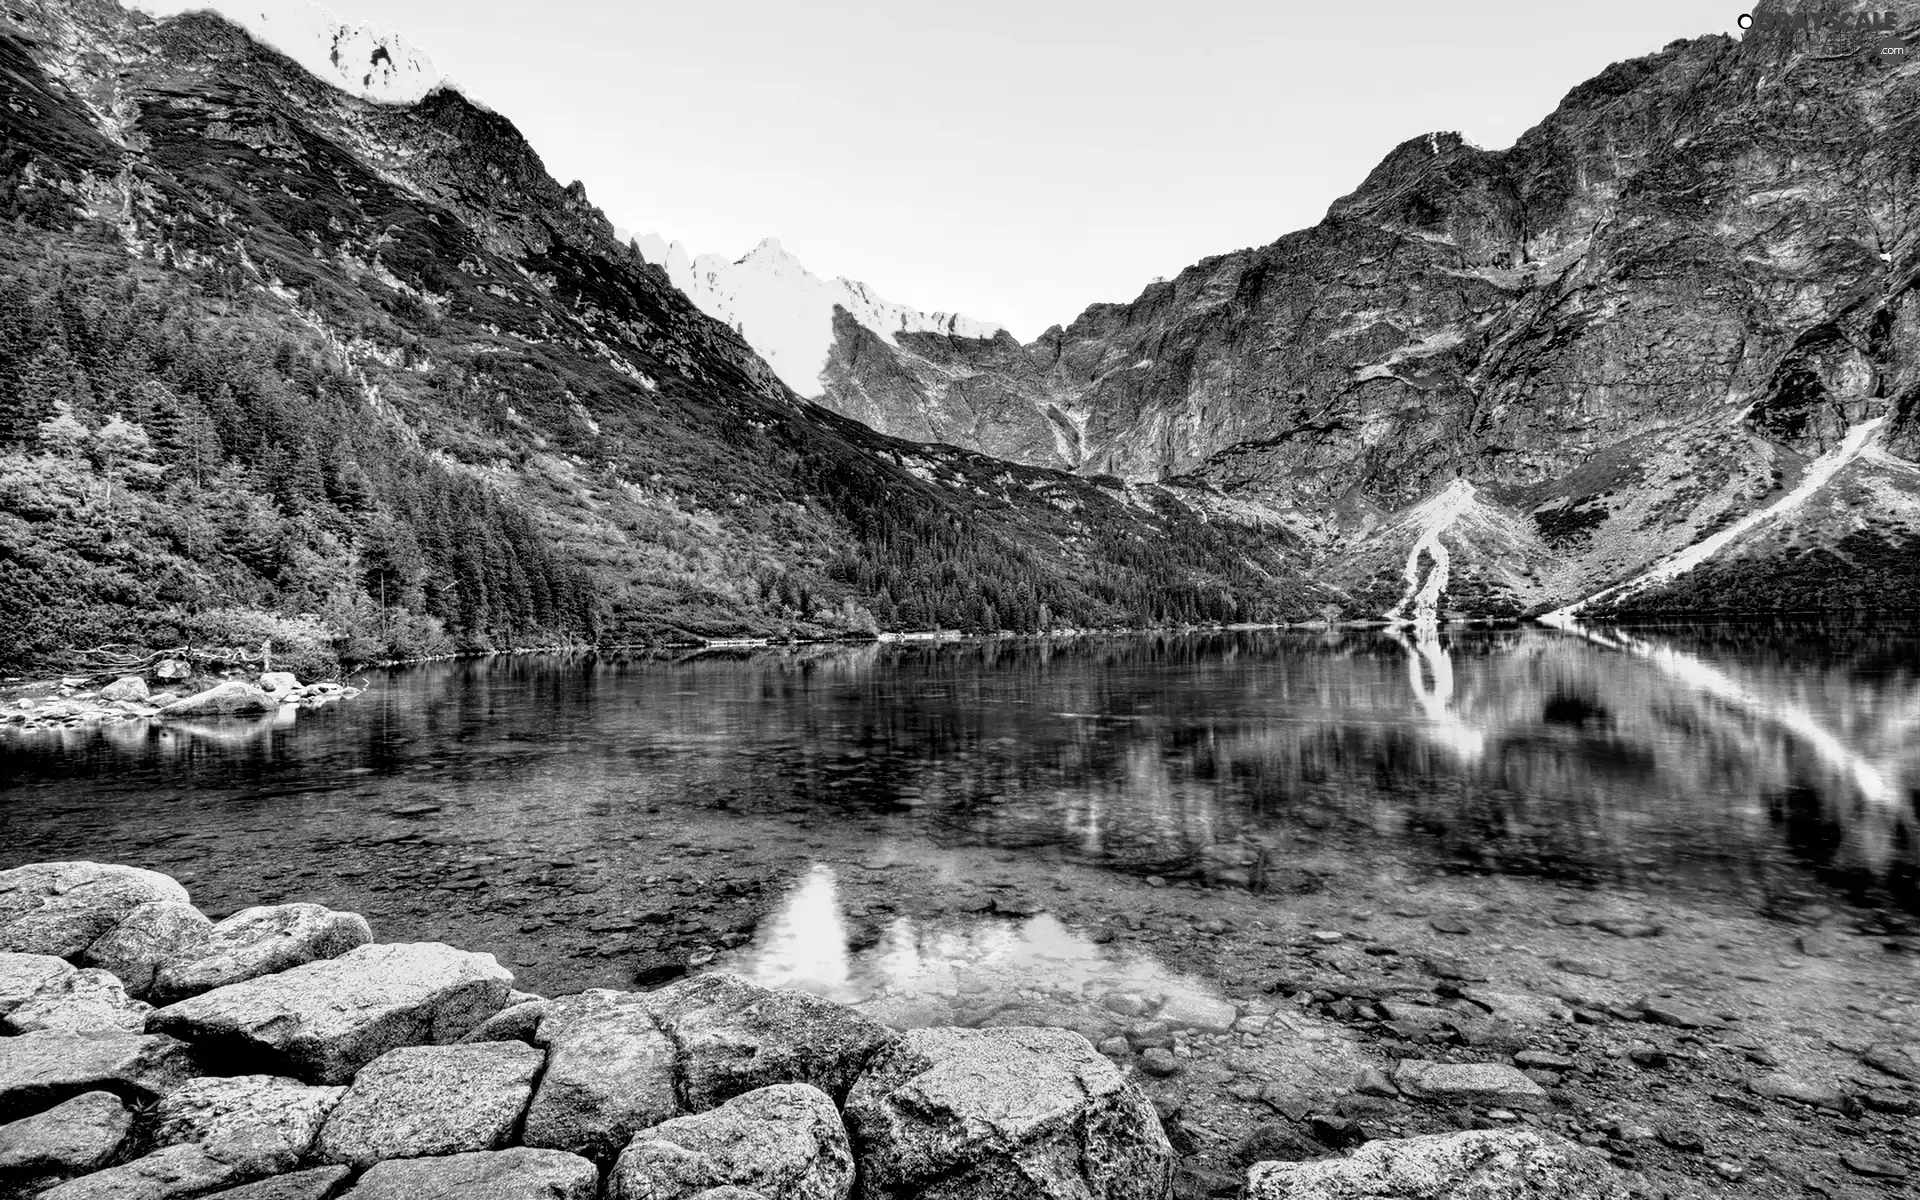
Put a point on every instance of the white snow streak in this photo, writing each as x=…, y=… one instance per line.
x=1433, y=518
x=1822, y=469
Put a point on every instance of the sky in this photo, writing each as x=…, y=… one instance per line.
x=1014, y=161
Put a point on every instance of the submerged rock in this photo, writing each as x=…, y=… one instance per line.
x=423, y=1100
x=517, y=1174
x=61, y=908
x=784, y=1141
x=610, y=1073
x=260, y=941
x=949, y=1114
x=325, y=1020
x=1495, y=1084
x=147, y=939
x=1482, y=1164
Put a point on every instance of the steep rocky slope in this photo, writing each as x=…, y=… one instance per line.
x=1630, y=330
x=378, y=325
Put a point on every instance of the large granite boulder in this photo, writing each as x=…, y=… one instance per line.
x=514, y=1023
x=279, y=684
x=213, y=1133
x=325, y=1020
x=517, y=1174
x=68, y=1139
x=784, y=1142
x=261, y=941
x=38, y=1070
x=80, y=1002
x=131, y=688
x=423, y=1100
x=230, y=699
x=734, y=1037
x=610, y=1073
x=951, y=1114
x=22, y=976
x=61, y=908
x=1520, y=1164
x=315, y=1183
x=148, y=938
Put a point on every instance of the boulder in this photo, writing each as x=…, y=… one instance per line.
x=261, y=941
x=82, y=1002
x=130, y=687
x=325, y=1020
x=948, y=1114
x=147, y=939
x=170, y=1173
x=230, y=699
x=1785, y=1085
x=278, y=683
x=317, y=1183
x=172, y=670
x=22, y=976
x=516, y=1022
x=1490, y=1084
x=257, y=1124
x=518, y=1174
x=783, y=1141
x=1484, y=1164
x=66, y=1140
x=61, y=908
x=38, y=1070
x=733, y=1037
x=423, y=1100
x=610, y=1073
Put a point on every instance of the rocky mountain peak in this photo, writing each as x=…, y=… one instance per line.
x=357, y=59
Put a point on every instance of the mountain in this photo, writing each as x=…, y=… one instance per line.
x=1668, y=307
x=286, y=359
x=786, y=312
x=355, y=58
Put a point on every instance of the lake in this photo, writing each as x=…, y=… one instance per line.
x=579, y=815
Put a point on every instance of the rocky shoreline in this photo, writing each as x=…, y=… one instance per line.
x=173, y=691
x=148, y=1051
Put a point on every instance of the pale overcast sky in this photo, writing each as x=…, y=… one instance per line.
x=1014, y=160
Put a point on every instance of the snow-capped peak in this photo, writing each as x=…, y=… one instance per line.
x=357, y=59
x=784, y=311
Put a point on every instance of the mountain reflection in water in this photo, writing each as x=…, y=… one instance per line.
x=1723, y=756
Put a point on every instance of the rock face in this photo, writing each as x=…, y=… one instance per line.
x=1482, y=1164
x=518, y=1174
x=733, y=1037
x=324, y=1020
x=782, y=1141
x=260, y=941
x=67, y=1139
x=230, y=699
x=946, y=1114
x=41, y=1069
x=1633, y=327
x=60, y=908
x=424, y=1100
x=147, y=939
x=610, y=1073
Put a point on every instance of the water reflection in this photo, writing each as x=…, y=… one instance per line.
x=1730, y=757
x=806, y=945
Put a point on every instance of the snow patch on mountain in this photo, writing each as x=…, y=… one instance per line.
x=357, y=59
x=785, y=312
x=1858, y=444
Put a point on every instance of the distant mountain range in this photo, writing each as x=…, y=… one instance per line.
x=295, y=332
